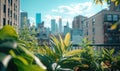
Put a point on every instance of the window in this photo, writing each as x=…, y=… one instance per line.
x=14, y=15
x=93, y=21
x=115, y=17
x=4, y=9
x=11, y=23
x=11, y=13
x=8, y=12
x=93, y=30
x=14, y=7
x=8, y=22
x=109, y=17
x=4, y=21
x=11, y=2
x=87, y=24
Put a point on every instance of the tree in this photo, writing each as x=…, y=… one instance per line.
x=117, y=2
x=27, y=36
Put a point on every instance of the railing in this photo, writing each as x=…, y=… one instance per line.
x=98, y=47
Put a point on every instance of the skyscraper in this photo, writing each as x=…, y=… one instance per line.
x=38, y=19
x=53, y=26
x=77, y=29
x=78, y=22
x=66, y=28
x=9, y=12
x=23, y=19
x=60, y=25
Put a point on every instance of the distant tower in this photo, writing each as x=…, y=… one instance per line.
x=60, y=25
x=66, y=28
x=78, y=22
x=67, y=24
x=53, y=26
x=38, y=19
x=23, y=19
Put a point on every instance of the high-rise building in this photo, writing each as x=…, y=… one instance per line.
x=98, y=27
x=78, y=22
x=9, y=12
x=38, y=19
x=66, y=29
x=53, y=26
x=60, y=25
x=77, y=29
x=23, y=19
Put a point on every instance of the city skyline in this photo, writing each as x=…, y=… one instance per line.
x=55, y=9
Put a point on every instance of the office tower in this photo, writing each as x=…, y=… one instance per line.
x=9, y=13
x=53, y=26
x=23, y=19
x=78, y=22
x=60, y=25
x=77, y=29
x=66, y=28
x=38, y=19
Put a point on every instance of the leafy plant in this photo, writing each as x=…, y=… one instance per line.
x=59, y=55
x=15, y=55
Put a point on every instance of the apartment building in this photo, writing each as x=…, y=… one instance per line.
x=9, y=13
x=98, y=27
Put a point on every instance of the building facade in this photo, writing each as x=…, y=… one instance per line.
x=98, y=27
x=78, y=22
x=77, y=29
x=9, y=13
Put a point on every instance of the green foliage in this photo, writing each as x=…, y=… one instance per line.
x=22, y=59
x=55, y=57
x=8, y=33
x=59, y=54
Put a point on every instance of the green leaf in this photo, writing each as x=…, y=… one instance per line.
x=8, y=32
x=67, y=39
x=30, y=67
x=38, y=62
x=112, y=51
x=114, y=26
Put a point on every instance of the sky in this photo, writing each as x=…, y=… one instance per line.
x=55, y=9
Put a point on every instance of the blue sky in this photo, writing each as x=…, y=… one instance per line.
x=54, y=9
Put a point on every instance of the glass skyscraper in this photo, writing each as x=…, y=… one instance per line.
x=38, y=19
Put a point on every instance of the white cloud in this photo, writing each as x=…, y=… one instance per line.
x=32, y=20
x=21, y=11
x=48, y=19
x=74, y=9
